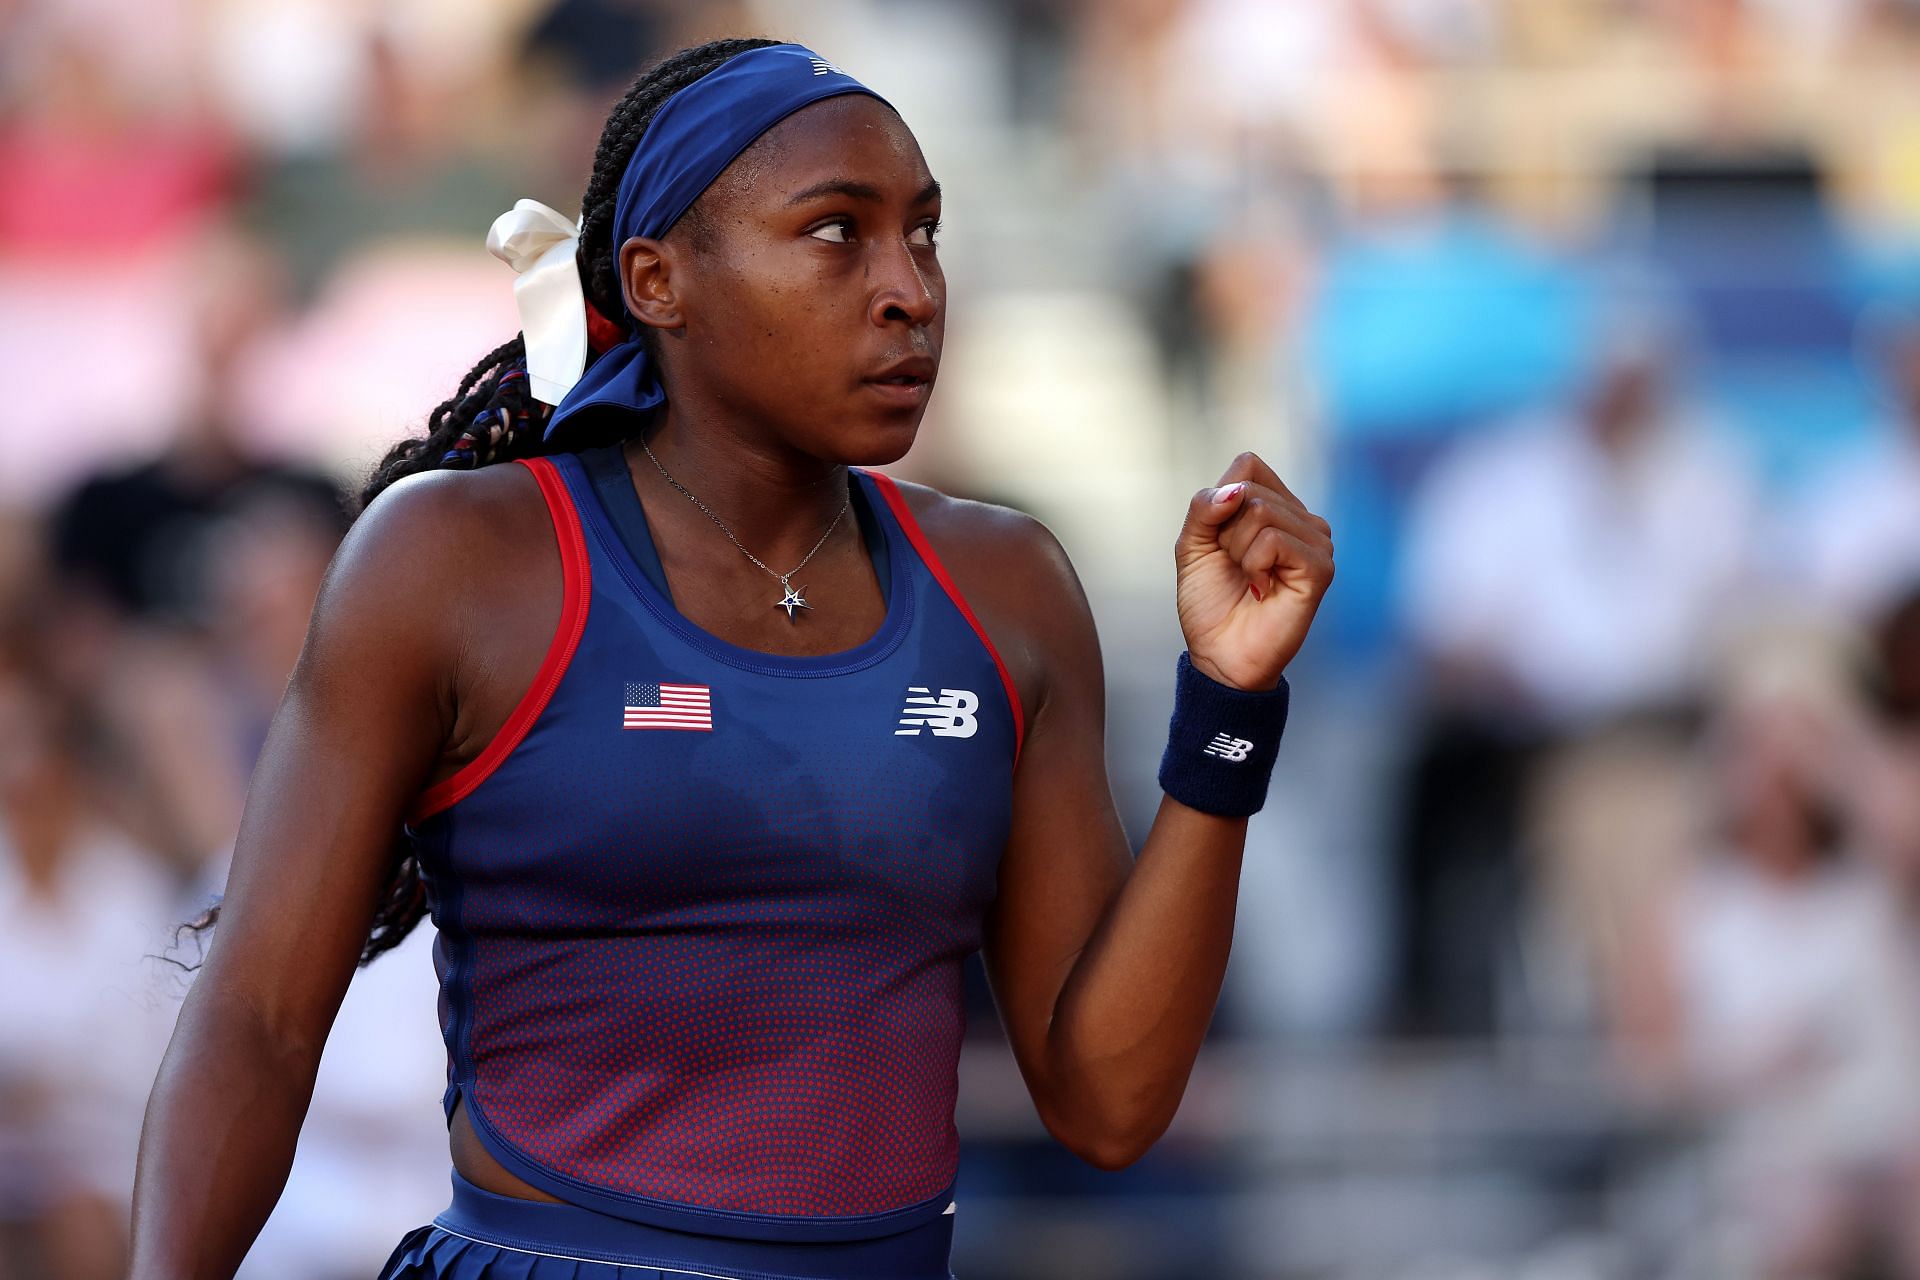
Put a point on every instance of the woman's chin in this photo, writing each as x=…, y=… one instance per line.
x=892, y=442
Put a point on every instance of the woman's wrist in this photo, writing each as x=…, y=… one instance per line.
x=1222, y=742
x=1207, y=667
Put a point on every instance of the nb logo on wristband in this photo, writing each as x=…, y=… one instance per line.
x=1228, y=748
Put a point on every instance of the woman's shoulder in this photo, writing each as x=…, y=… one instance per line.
x=432, y=545
x=986, y=539
x=493, y=503
x=1014, y=574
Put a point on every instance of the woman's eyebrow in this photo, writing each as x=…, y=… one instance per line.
x=859, y=191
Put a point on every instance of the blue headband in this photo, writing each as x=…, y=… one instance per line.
x=695, y=135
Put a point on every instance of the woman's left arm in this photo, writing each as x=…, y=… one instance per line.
x=1106, y=968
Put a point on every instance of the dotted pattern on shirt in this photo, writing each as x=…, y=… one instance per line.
x=771, y=1019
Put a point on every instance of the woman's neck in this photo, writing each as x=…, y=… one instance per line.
x=776, y=500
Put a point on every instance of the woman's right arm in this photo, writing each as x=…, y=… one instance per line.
x=364, y=718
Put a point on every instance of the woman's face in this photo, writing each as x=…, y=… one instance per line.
x=816, y=278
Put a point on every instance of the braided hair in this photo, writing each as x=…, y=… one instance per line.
x=493, y=417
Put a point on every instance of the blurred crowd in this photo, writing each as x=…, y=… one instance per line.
x=1580, y=936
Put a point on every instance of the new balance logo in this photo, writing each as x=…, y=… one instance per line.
x=1228, y=748
x=949, y=714
x=821, y=67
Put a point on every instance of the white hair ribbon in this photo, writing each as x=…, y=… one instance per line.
x=539, y=244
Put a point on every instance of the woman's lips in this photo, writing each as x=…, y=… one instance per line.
x=901, y=393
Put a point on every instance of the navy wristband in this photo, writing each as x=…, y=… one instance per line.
x=1222, y=743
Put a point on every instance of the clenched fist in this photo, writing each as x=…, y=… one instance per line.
x=1253, y=563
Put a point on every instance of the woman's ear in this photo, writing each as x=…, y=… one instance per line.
x=647, y=282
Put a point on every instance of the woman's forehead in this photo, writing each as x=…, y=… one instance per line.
x=853, y=138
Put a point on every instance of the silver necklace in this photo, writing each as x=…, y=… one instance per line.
x=795, y=596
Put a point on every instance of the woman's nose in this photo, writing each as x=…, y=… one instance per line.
x=908, y=288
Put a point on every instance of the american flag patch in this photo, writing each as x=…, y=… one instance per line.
x=668, y=706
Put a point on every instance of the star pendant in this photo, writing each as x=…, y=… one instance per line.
x=792, y=600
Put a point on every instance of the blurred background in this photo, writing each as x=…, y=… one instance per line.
x=1580, y=935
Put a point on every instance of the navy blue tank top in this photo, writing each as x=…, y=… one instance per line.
x=702, y=910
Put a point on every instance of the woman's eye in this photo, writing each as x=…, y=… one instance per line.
x=923, y=234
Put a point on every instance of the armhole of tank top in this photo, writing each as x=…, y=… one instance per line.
x=576, y=577
x=897, y=503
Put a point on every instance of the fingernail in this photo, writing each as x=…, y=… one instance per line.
x=1256, y=591
x=1226, y=492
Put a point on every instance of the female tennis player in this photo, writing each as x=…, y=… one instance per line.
x=712, y=752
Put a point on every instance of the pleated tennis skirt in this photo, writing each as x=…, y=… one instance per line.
x=486, y=1236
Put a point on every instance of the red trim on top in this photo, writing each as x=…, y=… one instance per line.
x=891, y=492
x=576, y=577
